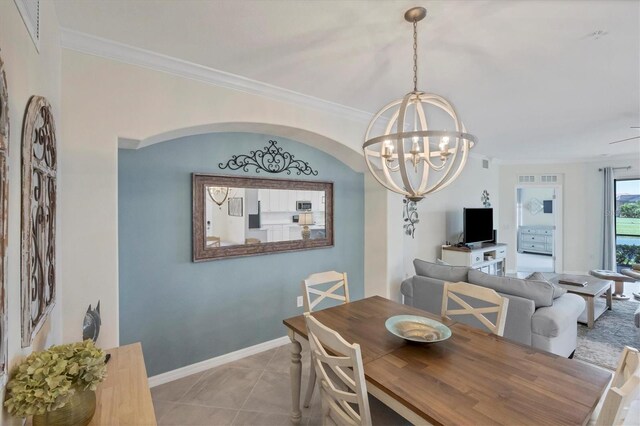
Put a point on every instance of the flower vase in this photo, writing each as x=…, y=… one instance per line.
x=78, y=411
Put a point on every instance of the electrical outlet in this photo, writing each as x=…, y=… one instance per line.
x=299, y=301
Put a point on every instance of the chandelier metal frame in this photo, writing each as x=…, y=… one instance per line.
x=389, y=148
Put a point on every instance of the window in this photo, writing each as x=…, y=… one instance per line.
x=627, y=222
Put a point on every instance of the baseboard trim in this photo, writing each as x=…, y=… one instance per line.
x=513, y=271
x=198, y=367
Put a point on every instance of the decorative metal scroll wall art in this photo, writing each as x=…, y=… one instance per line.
x=410, y=216
x=271, y=159
x=486, y=202
x=4, y=180
x=39, y=164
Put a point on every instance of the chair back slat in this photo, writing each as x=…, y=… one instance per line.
x=338, y=366
x=213, y=241
x=312, y=282
x=453, y=291
x=624, y=389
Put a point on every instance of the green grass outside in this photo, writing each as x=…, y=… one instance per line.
x=628, y=226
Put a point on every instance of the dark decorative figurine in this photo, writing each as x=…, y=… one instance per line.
x=91, y=323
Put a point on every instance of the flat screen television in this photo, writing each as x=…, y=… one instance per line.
x=478, y=225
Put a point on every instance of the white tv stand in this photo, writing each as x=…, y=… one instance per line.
x=489, y=258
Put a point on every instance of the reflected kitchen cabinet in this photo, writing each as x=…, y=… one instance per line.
x=264, y=198
x=295, y=232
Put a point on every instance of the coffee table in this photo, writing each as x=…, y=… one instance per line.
x=591, y=292
x=619, y=279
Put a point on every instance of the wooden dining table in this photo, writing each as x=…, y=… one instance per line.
x=473, y=377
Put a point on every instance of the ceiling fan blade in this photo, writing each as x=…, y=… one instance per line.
x=624, y=140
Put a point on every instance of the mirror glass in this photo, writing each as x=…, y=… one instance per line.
x=245, y=216
x=237, y=216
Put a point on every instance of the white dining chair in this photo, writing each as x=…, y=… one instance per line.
x=213, y=241
x=342, y=385
x=313, y=293
x=453, y=291
x=623, y=390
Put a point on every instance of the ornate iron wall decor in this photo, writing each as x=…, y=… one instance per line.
x=486, y=202
x=4, y=193
x=39, y=164
x=410, y=216
x=271, y=159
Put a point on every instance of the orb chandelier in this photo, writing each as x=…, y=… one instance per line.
x=402, y=152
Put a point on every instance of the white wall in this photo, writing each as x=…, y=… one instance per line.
x=234, y=228
x=540, y=218
x=28, y=72
x=104, y=100
x=440, y=213
x=375, y=231
x=230, y=229
x=582, y=207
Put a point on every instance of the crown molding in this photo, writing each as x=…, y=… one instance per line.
x=576, y=160
x=97, y=46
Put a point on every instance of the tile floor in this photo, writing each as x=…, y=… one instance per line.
x=252, y=391
x=529, y=262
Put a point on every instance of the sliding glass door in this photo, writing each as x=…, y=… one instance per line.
x=627, y=222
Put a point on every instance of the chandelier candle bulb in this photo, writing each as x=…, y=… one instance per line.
x=415, y=146
x=406, y=113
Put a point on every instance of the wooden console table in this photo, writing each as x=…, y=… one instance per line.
x=490, y=258
x=124, y=397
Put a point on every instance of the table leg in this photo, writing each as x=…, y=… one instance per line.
x=609, y=298
x=296, y=376
x=590, y=311
x=619, y=293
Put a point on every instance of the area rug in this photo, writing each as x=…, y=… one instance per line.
x=603, y=344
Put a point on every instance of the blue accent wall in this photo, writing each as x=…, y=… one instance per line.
x=185, y=312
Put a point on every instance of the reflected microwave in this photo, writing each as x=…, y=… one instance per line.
x=303, y=205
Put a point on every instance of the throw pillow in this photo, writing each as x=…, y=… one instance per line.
x=557, y=290
x=540, y=292
x=441, y=272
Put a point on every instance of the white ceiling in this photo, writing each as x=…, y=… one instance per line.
x=525, y=76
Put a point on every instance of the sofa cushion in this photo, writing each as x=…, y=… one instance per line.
x=551, y=321
x=427, y=294
x=540, y=292
x=440, y=272
x=406, y=288
x=539, y=276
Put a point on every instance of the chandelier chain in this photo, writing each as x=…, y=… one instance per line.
x=415, y=55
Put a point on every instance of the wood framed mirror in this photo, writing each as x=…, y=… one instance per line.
x=245, y=216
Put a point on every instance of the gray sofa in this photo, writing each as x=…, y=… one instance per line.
x=540, y=314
